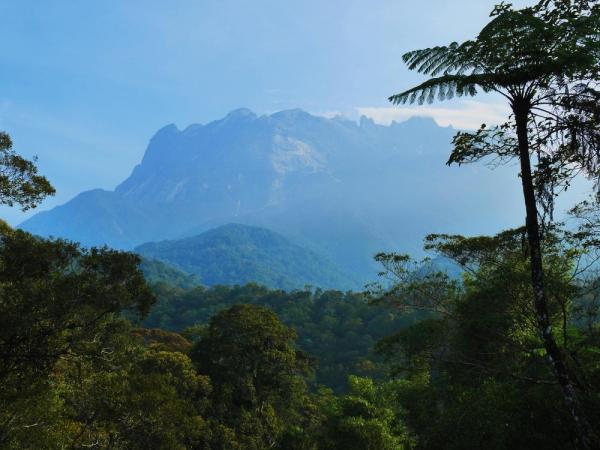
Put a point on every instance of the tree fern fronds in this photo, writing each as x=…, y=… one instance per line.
x=446, y=86
x=430, y=59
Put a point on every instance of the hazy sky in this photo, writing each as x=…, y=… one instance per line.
x=85, y=84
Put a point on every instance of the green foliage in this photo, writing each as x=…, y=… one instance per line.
x=76, y=374
x=338, y=329
x=475, y=373
x=163, y=401
x=162, y=340
x=257, y=374
x=132, y=398
x=468, y=355
x=68, y=360
x=159, y=272
x=240, y=254
x=367, y=418
x=52, y=296
x=19, y=179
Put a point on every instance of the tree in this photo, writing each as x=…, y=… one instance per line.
x=474, y=373
x=133, y=399
x=19, y=179
x=52, y=291
x=545, y=60
x=54, y=296
x=364, y=419
x=258, y=376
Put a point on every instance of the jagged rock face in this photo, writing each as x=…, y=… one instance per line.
x=228, y=168
x=347, y=189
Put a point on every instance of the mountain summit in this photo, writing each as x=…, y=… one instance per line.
x=345, y=188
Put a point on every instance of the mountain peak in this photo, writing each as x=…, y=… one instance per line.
x=418, y=121
x=291, y=114
x=240, y=113
x=167, y=130
x=366, y=122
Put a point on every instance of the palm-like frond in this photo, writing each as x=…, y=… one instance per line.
x=443, y=59
x=445, y=87
x=430, y=60
x=516, y=50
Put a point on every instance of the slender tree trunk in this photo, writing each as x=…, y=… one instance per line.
x=521, y=109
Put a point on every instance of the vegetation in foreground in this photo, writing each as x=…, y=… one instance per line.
x=471, y=373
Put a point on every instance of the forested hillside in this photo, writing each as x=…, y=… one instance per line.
x=239, y=254
x=159, y=272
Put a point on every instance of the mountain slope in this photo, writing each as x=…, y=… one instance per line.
x=160, y=272
x=344, y=188
x=239, y=254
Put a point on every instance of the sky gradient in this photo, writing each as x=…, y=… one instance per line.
x=86, y=84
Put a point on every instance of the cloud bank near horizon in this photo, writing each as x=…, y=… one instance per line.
x=465, y=115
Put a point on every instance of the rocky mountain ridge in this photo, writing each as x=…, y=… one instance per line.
x=345, y=189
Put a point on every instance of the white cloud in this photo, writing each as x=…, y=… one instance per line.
x=467, y=114
x=328, y=114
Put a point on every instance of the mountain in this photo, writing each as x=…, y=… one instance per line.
x=346, y=189
x=239, y=254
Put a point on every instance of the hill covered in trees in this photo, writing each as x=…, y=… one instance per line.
x=156, y=272
x=239, y=254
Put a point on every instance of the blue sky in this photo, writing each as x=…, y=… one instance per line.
x=85, y=84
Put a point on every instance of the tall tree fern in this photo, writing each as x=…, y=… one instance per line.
x=545, y=61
